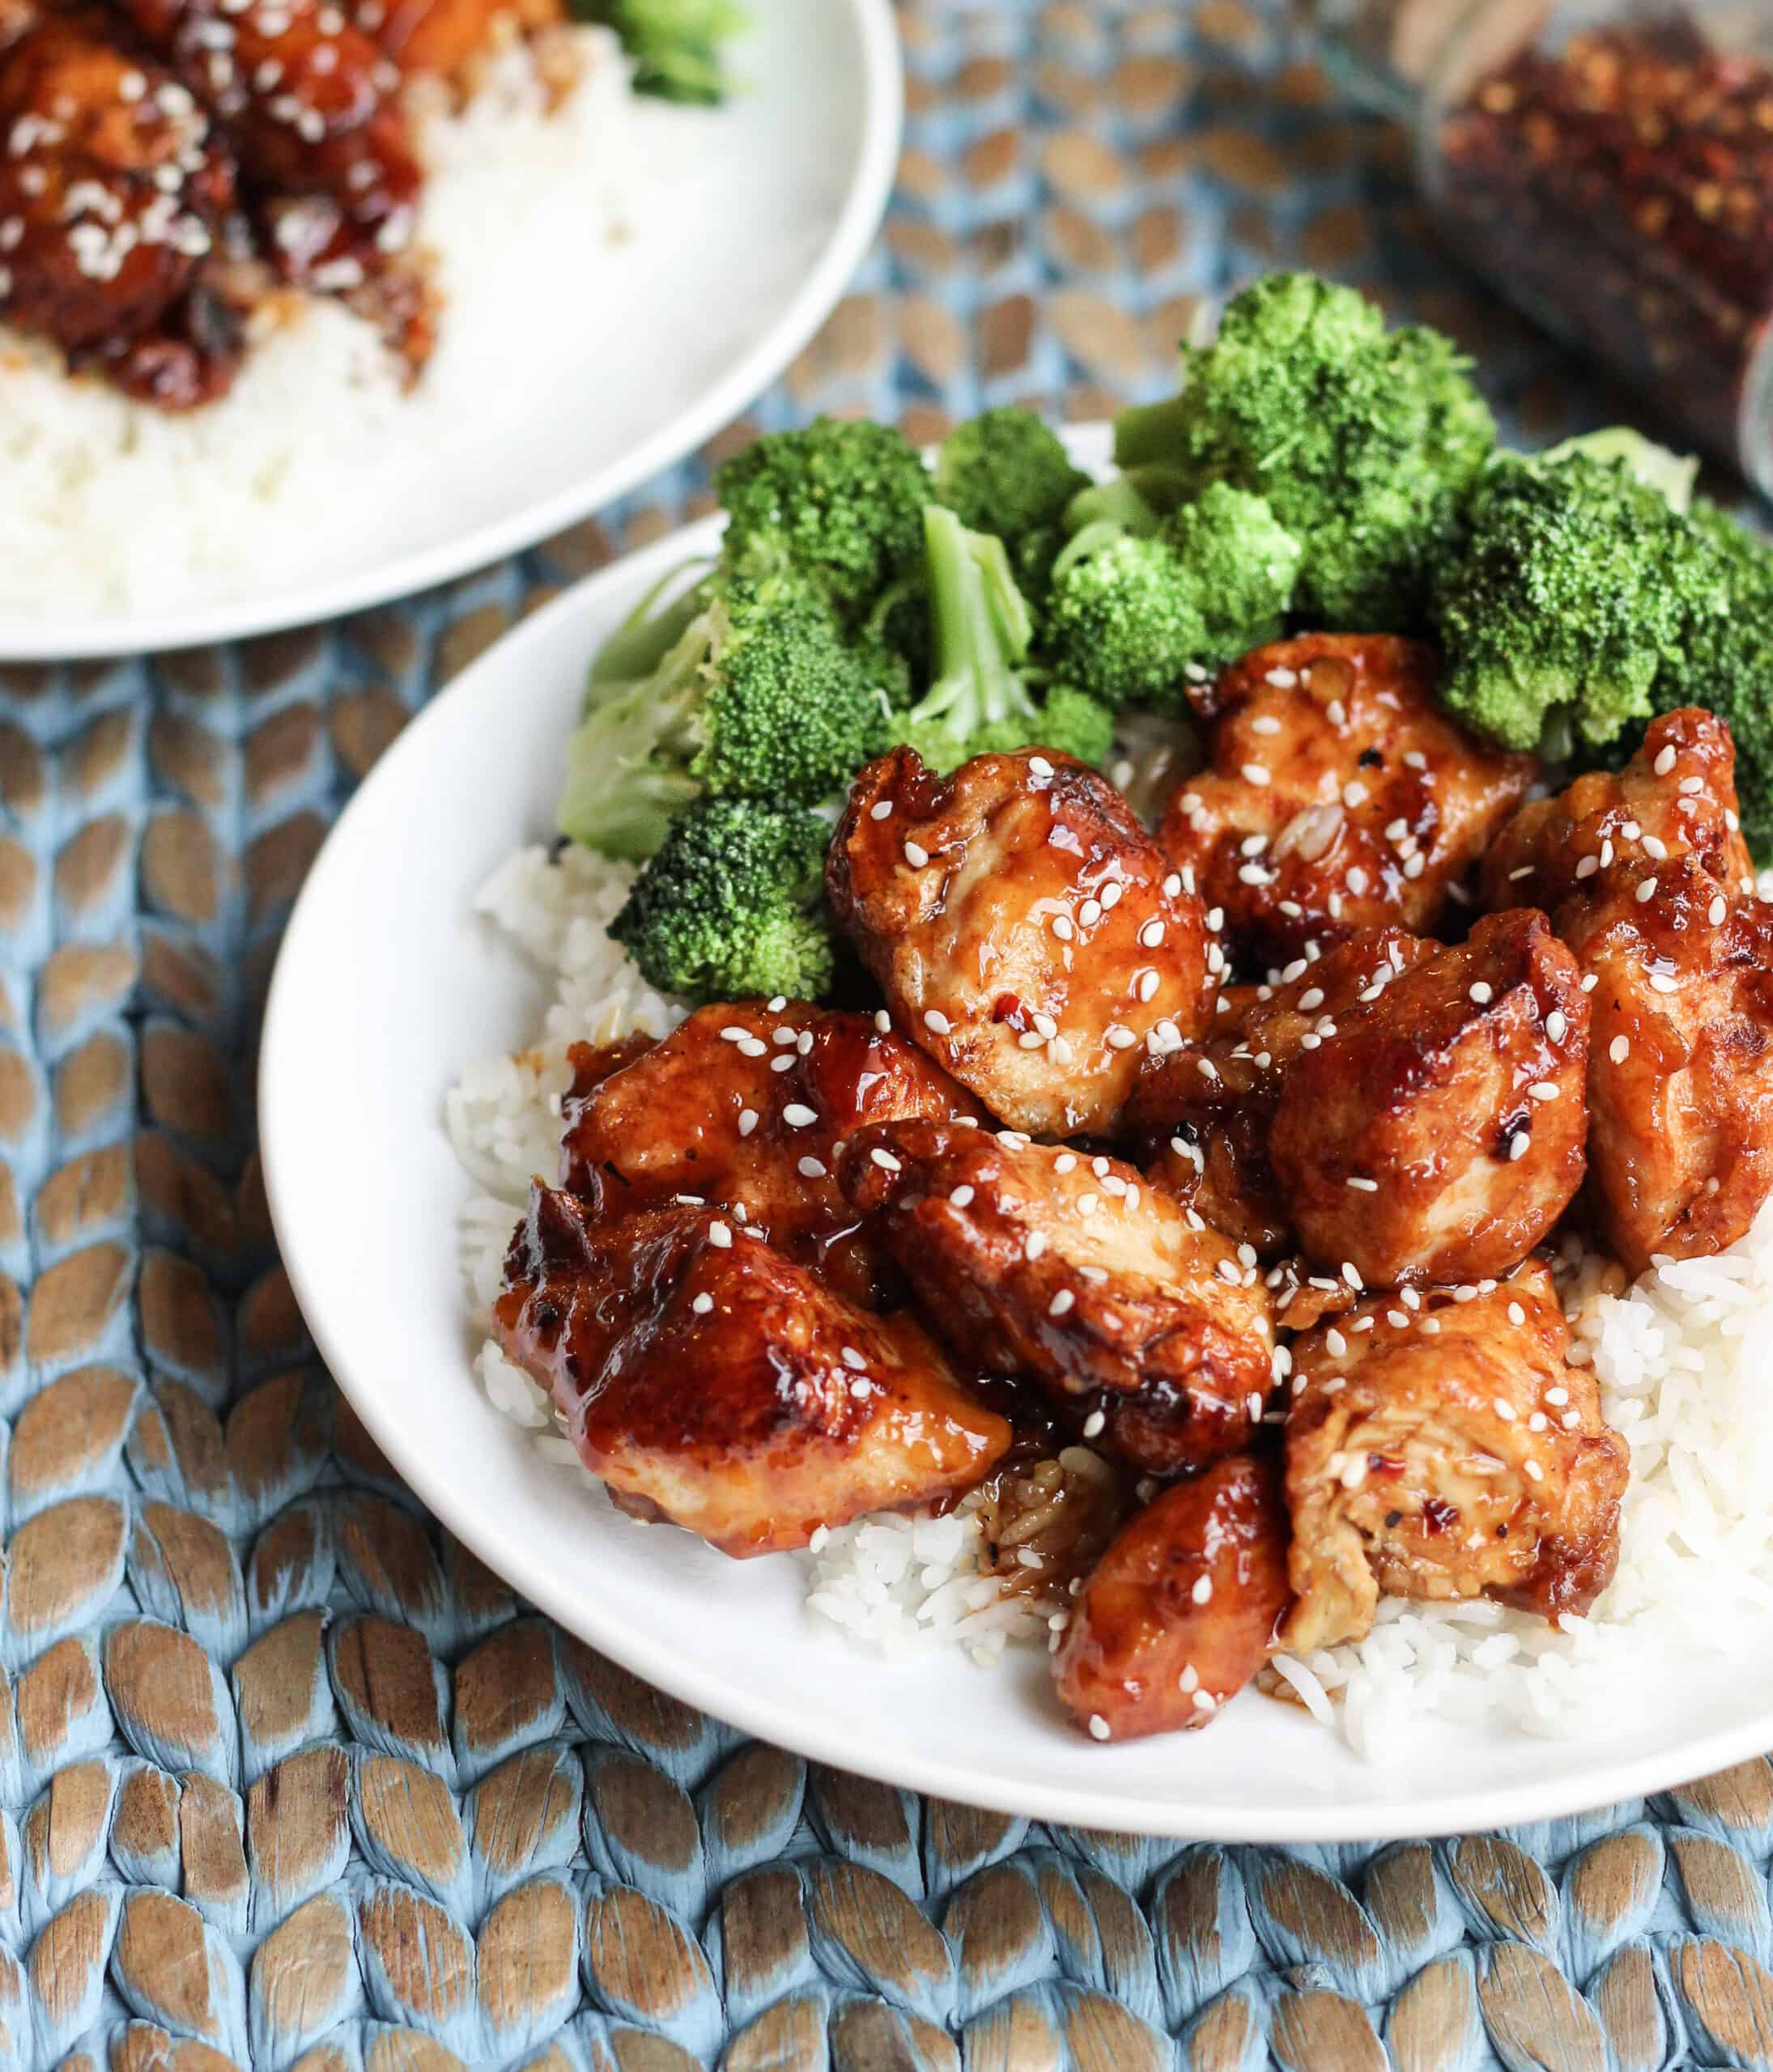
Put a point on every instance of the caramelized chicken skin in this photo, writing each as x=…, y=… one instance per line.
x=1204, y=1111
x=1340, y=795
x=743, y=1107
x=1439, y=1134
x=1181, y=1611
x=1681, y=1058
x=708, y=1380
x=1144, y=1325
x=1024, y=929
x=1442, y=1449
x=113, y=189
x=1676, y=795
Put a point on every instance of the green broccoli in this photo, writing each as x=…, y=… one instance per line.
x=1364, y=442
x=1007, y=473
x=1728, y=665
x=843, y=502
x=1575, y=587
x=1130, y=610
x=732, y=904
x=982, y=699
x=675, y=45
x=758, y=698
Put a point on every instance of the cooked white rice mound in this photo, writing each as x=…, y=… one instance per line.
x=114, y=505
x=1685, y=1360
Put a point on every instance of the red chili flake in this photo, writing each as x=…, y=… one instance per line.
x=1438, y=1515
x=1621, y=189
x=1012, y=1008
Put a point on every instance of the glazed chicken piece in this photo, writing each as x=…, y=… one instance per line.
x=1181, y=1611
x=444, y=37
x=709, y=1381
x=1680, y=1059
x=1204, y=1112
x=1144, y=1327
x=743, y=1107
x=1676, y=795
x=1339, y=796
x=1444, y=1450
x=114, y=191
x=1439, y=1134
x=1024, y=928
x=310, y=104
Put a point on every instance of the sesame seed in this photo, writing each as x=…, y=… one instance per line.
x=1503, y=1408
x=935, y=1019
x=1110, y=893
x=1088, y=1203
x=1336, y=1343
x=1253, y=773
x=1715, y=912
x=1207, y=1069
x=1202, y=1591
x=1354, y=794
x=1035, y=1244
x=1172, y=884
x=1356, y=881
x=702, y=1305
x=885, y=1161
x=1525, y=871
x=1291, y=908
x=1252, y=845
x=1606, y=852
x=1151, y=935
x=797, y=1115
x=882, y=809
x=1535, y=1472
x=1590, y=981
x=1691, y=787
x=1090, y=912
x=785, y=1063
x=1661, y=982
x=850, y=1357
x=804, y=1043
x=916, y=855
x=1282, y=679
x=1062, y=927
x=1587, y=866
x=1046, y=1025
x=1364, y=1187
x=1619, y=1049
x=732, y=1033
x=1039, y=766
x=1664, y=762
x=1215, y=919
x=747, y=1120
x=1518, y=1145
x=1353, y=1472
x=1148, y=986
x=1396, y=830
x=1647, y=891
x=1542, y=1089
x=1099, y=1727
x=1558, y=1395
x=751, y=1047
x=719, y=1235
x=1557, y=1025
x=1093, y=1424
x=1060, y=1302
x=1351, y=1275
x=1266, y=724
x=811, y=1169
x=860, y=1390
x=883, y=1021
x=1118, y=1038
x=1655, y=847
x=1227, y=1272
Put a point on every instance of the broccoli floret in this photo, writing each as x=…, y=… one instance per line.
x=758, y=698
x=1007, y=473
x=1575, y=585
x=842, y=502
x=1130, y=610
x=983, y=699
x=1364, y=442
x=1728, y=665
x=675, y=45
x=731, y=905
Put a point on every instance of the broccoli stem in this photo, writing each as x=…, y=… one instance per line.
x=981, y=624
x=1150, y=435
x=646, y=636
x=1117, y=502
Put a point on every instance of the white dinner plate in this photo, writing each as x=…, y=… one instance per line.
x=386, y=987
x=786, y=186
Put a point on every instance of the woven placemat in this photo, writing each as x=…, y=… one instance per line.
x=287, y=1777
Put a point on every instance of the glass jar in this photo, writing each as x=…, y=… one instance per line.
x=1609, y=165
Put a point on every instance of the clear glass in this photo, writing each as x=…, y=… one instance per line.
x=1609, y=165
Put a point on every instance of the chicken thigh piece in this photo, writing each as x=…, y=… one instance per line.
x=443, y=38
x=1144, y=1327
x=1024, y=927
x=1204, y=1112
x=1680, y=1056
x=742, y=1107
x=709, y=1381
x=1676, y=796
x=1339, y=796
x=1439, y=1134
x=1181, y=1611
x=1441, y=1448
x=114, y=191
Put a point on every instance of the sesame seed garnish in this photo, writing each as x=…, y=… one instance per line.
x=883, y=1021
x=702, y=1305
x=732, y=1033
x=916, y=855
x=1503, y=1408
x=1336, y=1343
x=1099, y=1727
x=850, y=1357
x=1354, y=794
x=719, y=1235
x=1664, y=762
x=1202, y=1591
x=882, y=809
x=1090, y=912
x=1353, y=1472
x=1542, y=1089
x=1253, y=773
x=1715, y=912
x=1518, y=1145
x=1655, y=847
x=860, y=1389
x=1148, y=986
x=1207, y=1069
x=1557, y=1025
x=1535, y=1472
x=1062, y=927
x=1060, y=1302
x=1351, y=1275
x=785, y=1063
x=1034, y=1244
x=1356, y=881
x=1558, y=1395
x=1093, y=1424
x=1118, y=1038
x=1516, y=876
x=1364, y=1187
x=1151, y=935
x=1039, y=766
x=797, y=1115
x=747, y=1120
x=1587, y=866
x=1110, y=893
x=934, y=1019
x=1590, y=981
x=1282, y=679
x=811, y=1169
x=1088, y=1203
x=751, y=1047
x=885, y=1161
x=1045, y=1026
x=1172, y=884
x=1691, y=787
x=1647, y=891
x=1619, y=1049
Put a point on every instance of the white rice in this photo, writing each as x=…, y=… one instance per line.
x=1685, y=1360
x=114, y=505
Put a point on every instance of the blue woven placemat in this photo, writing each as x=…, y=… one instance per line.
x=286, y=1775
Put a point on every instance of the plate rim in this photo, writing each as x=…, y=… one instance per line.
x=80, y=638
x=752, y=1710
